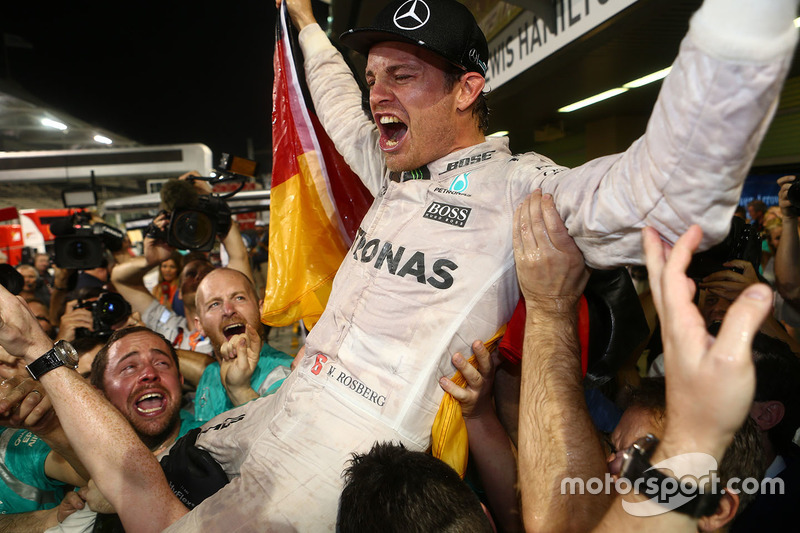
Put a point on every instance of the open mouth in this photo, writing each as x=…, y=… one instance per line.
x=393, y=130
x=151, y=403
x=233, y=329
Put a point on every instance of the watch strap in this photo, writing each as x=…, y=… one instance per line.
x=639, y=467
x=44, y=364
x=61, y=354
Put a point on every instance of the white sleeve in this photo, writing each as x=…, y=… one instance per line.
x=705, y=130
x=337, y=101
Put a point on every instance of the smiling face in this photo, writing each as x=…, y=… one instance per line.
x=226, y=303
x=169, y=270
x=411, y=104
x=143, y=382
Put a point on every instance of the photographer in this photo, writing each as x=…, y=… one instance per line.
x=128, y=278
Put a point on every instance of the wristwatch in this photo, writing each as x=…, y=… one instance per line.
x=636, y=465
x=62, y=354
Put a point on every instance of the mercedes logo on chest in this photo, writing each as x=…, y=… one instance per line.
x=412, y=15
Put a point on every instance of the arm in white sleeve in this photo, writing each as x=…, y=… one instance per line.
x=747, y=30
x=706, y=127
x=337, y=100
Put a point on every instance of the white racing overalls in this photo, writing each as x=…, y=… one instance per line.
x=432, y=269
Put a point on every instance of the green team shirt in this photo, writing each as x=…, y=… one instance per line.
x=211, y=398
x=23, y=484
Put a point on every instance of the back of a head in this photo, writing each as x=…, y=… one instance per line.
x=777, y=378
x=758, y=206
x=391, y=489
x=744, y=459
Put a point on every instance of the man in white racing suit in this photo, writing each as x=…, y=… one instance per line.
x=432, y=267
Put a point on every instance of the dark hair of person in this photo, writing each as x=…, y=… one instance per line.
x=395, y=490
x=758, y=206
x=778, y=379
x=651, y=395
x=100, y=362
x=743, y=458
x=480, y=107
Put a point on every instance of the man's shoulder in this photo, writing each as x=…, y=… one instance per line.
x=268, y=351
x=163, y=320
x=493, y=152
x=211, y=373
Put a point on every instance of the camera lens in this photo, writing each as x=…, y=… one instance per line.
x=77, y=250
x=111, y=308
x=193, y=230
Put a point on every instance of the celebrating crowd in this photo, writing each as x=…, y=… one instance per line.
x=465, y=375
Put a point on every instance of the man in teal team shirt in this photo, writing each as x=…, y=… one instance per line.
x=246, y=367
x=138, y=372
x=26, y=484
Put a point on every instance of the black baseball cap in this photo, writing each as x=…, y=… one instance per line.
x=445, y=27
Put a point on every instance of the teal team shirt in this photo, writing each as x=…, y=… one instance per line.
x=23, y=484
x=211, y=398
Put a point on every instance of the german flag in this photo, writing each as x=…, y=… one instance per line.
x=316, y=201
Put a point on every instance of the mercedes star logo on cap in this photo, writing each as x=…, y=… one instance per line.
x=413, y=17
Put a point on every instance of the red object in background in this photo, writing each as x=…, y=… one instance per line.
x=12, y=236
x=37, y=215
x=8, y=213
x=511, y=344
x=245, y=220
x=11, y=242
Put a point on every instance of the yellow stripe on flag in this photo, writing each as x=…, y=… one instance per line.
x=306, y=247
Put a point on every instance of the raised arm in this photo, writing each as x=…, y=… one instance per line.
x=710, y=382
x=121, y=465
x=128, y=277
x=557, y=439
x=238, y=259
x=337, y=98
x=713, y=110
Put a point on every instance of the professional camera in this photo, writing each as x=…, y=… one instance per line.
x=109, y=309
x=196, y=220
x=195, y=225
x=11, y=279
x=80, y=244
x=743, y=242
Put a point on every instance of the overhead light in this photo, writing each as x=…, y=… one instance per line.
x=593, y=100
x=102, y=139
x=650, y=78
x=641, y=82
x=50, y=123
x=498, y=134
x=797, y=22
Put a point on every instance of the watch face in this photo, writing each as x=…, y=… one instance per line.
x=640, y=450
x=67, y=353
